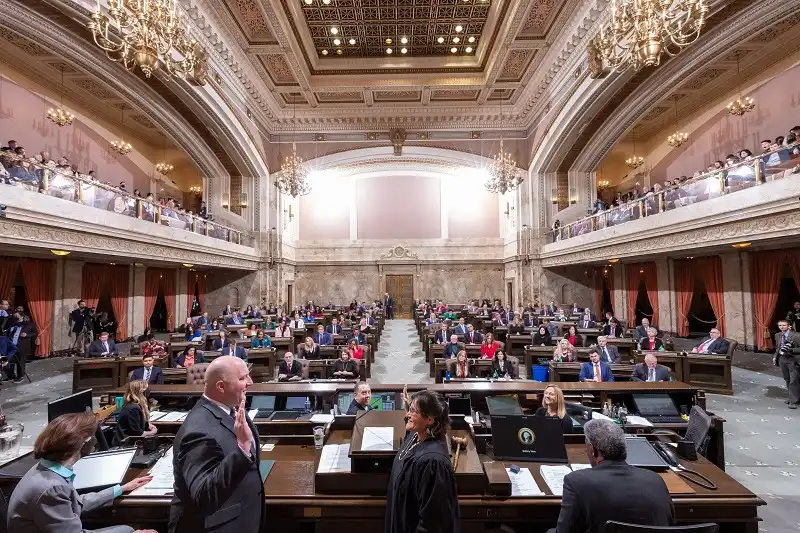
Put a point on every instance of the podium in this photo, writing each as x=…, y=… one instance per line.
x=377, y=436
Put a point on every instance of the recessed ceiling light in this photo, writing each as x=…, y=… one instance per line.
x=388, y=41
x=468, y=49
x=454, y=49
x=324, y=52
x=337, y=42
x=334, y=31
x=459, y=28
x=326, y=2
x=456, y=40
x=339, y=51
x=404, y=50
x=404, y=40
x=309, y=2
x=60, y=252
x=388, y=50
x=352, y=41
x=613, y=260
x=440, y=40
x=471, y=39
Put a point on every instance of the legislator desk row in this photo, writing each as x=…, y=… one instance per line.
x=303, y=494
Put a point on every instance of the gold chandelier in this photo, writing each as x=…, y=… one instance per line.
x=163, y=167
x=742, y=105
x=293, y=176
x=142, y=33
x=504, y=175
x=679, y=137
x=60, y=117
x=121, y=146
x=196, y=189
x=634, y=161
x=641, y=31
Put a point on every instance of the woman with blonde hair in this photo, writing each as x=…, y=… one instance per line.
x=133, y=419
x=462, y=367
x=553, y=407
x=565, y=352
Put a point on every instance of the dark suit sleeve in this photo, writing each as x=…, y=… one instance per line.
x=723, y=347
x=210, y=475
x=617, y=356
x=159, y=377
x=610, y=374
x=636, y=374
x=572, y=517
x=583, y=374
x=95, y=349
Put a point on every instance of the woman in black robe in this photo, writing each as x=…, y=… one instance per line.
x=422, y=488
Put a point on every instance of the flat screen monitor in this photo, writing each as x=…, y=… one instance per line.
x=655, y=405
x=80, y=402
x=266, y=402
x=383, y=402
x=344, y=400
x=100, y=470
x=503, y=405
x=460, y=406
x=528, y=438
x=296, y=403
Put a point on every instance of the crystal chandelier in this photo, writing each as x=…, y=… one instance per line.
x=163, y=167
x=142, y=33
x=634, y=161
x=504, y=175
x=679, y=137
x=121, y=146
x=639, y=32
x=60, y=117
x=293, y=176
x=196, y=189
x=742, y=105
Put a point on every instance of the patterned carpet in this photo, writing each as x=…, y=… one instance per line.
x=762, y=438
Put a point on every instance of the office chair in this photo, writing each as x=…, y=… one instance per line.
x=612, y=526
x=699, y=427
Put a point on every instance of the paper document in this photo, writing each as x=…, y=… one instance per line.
x=597, y=415
x=321, y=418
x=163, y=480
x=554, y=477
x=268, y=447
x=156, y=415
x=334, y=458
x=173, y=416
x=639, y=421
x=523, y=484
x=251, y=414
x=469, y=420
x=578, y=466
x=377, y=439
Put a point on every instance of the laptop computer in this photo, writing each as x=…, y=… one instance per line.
x=503, y=405
x=460, y=406
x=528, y=438
x=642, y=454
x=657, y=408
x=295, y=406
x=264, y=404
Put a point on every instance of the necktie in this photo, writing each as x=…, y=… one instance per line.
x=651, y=375
x=597, y=376
x=232, y=413
x=612, y=331
x=704, y=346
x=605, y=354
x=105, y=346
x=147, y=374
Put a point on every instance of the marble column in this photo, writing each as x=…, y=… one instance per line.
x=735, y=286
x=181, y=295
x=666, y=296
x=618, y=298
x=137, y=297
x=131, y=322
x=67, y=291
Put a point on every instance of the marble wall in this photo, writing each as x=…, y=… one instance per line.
x=231, y=287
x=566, y=285
x=339, y=284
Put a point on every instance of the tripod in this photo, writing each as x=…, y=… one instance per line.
x=82, y=340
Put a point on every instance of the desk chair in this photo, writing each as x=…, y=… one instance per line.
x=196, y=374
x=700, y=424
x=612, y=526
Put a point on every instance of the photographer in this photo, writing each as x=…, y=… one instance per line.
x=793, y=317
x=82, y=322
x=787, y=357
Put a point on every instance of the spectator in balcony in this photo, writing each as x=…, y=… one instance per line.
x=766, y=146
x=776, y=156
x=203, y=213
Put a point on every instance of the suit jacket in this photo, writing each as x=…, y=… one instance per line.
x=477, y=338
x=360, y=339
x=516, y=329
x=334, y=330
x=609, y=354
x=239, y=352
x=719, y=346
x=442, y=337
x=587, y=372
x=296, y=370
x=583, y=324
x=639, y=496
x=640, y=332
x=794, y=338
x=156, y=375
x=238, y=320
x=641, y=371
x=644, y=344
x=460, y=330
x=308, y=354
x=217, y=486
x=619, y=330
x=96, y=349
x=326, y=339
x=45, y=502
x=349, y=366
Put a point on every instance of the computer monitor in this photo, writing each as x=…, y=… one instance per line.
x=655, y=405
x=383, y=402
x=80, y=402
x=266, y=402
x=296, y=403
x=528, y=438
x=344, y=400
x=503, y=405
x=460, y=406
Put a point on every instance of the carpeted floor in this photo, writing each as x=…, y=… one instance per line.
x=762, y=438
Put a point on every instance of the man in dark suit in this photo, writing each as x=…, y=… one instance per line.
x=650, y=370
x=787, y=357
x=472, y=336
x=613, y=329
x=639, y=496
x=218, y=485
x=234, y=319
x=103, y=347
x=608, y=354
x=388, y=306
x=586, y=320
x=289, y=369
x=358, y=336
x=713, y=344
x=234, y=350
x=322, y=338
x=335, y=328
x=461, y=328
x=452, y=348
x=641, y=331
x=443, y=335
x=148, y=372
x=595, y=370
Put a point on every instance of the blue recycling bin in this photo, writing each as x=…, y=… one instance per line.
x=539, y=372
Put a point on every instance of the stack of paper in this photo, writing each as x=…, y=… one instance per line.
x=554, y=477
x=639, y=421
x=173, y=416
x=321, y=418
x=156, y=415
x=523, y=484
x=377, y=439
x=163, y=478
x=334, y=458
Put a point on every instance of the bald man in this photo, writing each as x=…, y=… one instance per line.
x=218, y=485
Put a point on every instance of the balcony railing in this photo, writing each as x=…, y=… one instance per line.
x=32, y=176
x=749, y=173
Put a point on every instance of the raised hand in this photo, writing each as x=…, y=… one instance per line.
x=244, y=437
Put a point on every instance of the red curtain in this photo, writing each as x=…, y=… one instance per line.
x=650, y=275
x=598, y=290
x=201, y=290
x=118, y=291
x=793, y=258
x=684, y=287
x=199, y=279
x=8, y=271
x=152, y=282
x=93, y=277
x=168, y=284
x=38, y=276
x=711, y=269
x=765, y=277
x=632, y=278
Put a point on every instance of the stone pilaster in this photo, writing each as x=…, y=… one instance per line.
x=181, y=295
x=67, y=291
x=735, y=287
x=618, y=298
x=666, y=295
x=137, y=297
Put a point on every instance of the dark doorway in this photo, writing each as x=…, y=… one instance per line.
x=401, y=289
x=788, y=294
x=643, y=307
x=607, y=304
x=105, y=319
x=158, y=320
x=194, y=295
x=701, y=315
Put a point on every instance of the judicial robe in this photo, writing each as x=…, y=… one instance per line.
x=422, y=490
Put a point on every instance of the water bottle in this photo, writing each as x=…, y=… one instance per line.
x=308, y=405
x=447, y=377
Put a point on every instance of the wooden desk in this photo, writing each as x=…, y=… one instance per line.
x=672, y=360
x=545, y=353
x=176, y=347
x=711, y=372
x=480, y=368
x=98, y=374
x=515, y=344
x=570, y=371
x=264, y=361
x=625, y=346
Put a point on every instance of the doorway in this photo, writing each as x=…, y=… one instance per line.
x=510, y=293
x=289, y=291
x=401, y=289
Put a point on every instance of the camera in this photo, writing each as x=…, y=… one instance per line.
x=786, y=349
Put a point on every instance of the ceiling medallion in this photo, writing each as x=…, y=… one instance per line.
x=142, y=34
x=640, y=32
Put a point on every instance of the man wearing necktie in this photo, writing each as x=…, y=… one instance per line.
x=461, y=329
x=595, y=370
x=103, y=347
x=322, y=338
x=787, y=357
x=334, y=328
x=608, y=354
x=147, y=372
x=473, y=337
x=650, y=371
x=713, y=344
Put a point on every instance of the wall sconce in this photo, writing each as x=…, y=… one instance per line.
x=243, y=201
x=226, y=200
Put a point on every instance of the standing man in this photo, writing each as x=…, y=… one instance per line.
x=787, y=357
x=388, y=306
x=78, y=317
x=218, y=485
x=793, y=317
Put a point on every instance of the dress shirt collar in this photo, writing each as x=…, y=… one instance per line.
x=58, y=468
x=221, y=406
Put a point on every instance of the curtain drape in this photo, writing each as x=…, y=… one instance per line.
x=632, y=278
x=650, y=275
x=168, y=284
x=201, y=291
x=684, y=287
x=8, y=271
x=765, y=277
x=38, y=277
x=93, y=277
x=152, y=282
x=199, y=279
x=118, y=292
x=793, y=258
x=711, y=269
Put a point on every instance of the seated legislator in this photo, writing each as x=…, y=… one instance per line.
x=192, y=334
x=321, y=337
x=573, y=336
x=613, y=329
x=452, y=348
x=565, y=352
x=651, y=342
x=713, y=344
x=283, y=330
x=362, y=394
x=586, y=320
x=541, y=337
x=235, y=350
x=344, y=367
x=608, y=354
x=552, y=327
x=153, y=347
x=595, y=370
x=335, y=328
x=222, y=341
x=461, y=328
x=462, y=367
x=235, y=319
x=103, y=347
x=611, y=489
x=261, y=340
x=553, y=407
x=147, y=372
x=472, y=336
x=442, y=335
x=227, y=311
x=501, y=367
x=213, y=326
x=650, y=370
x=203, y=320
x=147, y=335
x=133, y=419
x=188, y=357
x=516, y=327
x=488, y=347
x=309, y=349
x=641, y=331
x=356, y=351
x=289, y=369
x=357, y=336
x=297, y=322
x=44, y=500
